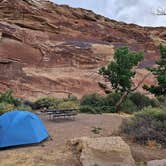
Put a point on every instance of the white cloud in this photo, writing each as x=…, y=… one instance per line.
x=131, y=11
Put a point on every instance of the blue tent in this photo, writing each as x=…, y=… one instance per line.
x=21, y=128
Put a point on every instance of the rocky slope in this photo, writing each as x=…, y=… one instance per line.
x=47, y=49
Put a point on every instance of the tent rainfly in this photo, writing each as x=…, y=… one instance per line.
x=21, y=128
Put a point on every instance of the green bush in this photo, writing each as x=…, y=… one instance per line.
x=8, y=102
x=71, y=98
x=68, y=104
x=24, y=108
x=92, y=100
x=129, y=107
x=7, y=97
x=52, y=102
x=99, y=104
x=46, y=102
x=5, y=107
x=112, y=98
x=162, y=100
x=107, y=109
x=155, y=103
x=140, y=100
x=147, y=125
x=158, y=114
x=94, y=103
x=87, y=109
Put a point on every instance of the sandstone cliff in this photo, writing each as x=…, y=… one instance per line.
x=47, y=49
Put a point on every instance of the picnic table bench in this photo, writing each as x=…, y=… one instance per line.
x=61, y=113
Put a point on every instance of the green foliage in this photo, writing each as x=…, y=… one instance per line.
x=71, y=98
x=46, y=102
x=7, y=97
x=24, y=108
x=155, y=103
x=68, y=104
x=162, y=100
x=129, y=107
x=5, y=107
x=94, y=103
x=119, y=72
x=153, y=113
x=140, y=100
x=147, y=125
x=8, y=102
x=88, y=109
x=52, y=102
x=112, y=98
x=160, y=74
x=94, y=100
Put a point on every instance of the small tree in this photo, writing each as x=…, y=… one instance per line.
x=121, y=71
x=160, y=74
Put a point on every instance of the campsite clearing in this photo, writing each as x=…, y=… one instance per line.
x=54, y=152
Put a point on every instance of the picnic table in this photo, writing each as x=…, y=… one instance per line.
x=61, y=113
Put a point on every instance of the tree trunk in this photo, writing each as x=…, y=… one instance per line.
x=125, y=94
x=121, y=100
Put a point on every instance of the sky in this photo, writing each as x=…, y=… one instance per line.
x=131, y=11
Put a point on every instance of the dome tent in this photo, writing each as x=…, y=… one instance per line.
x=21, y=128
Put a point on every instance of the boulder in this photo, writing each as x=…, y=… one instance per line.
x=104, y=151
x=157, y=163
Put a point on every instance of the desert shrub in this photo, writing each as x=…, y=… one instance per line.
x=94, y=100
x=155, y=103
x=8, y=102
x=155, y=113
x=87, y=109
x=91, y=103
x=129, y=107
x=147, y=125
x=106, y=104
x=5, y=107
x=96, y=110
x=112, y=98
x=107, y=109
x=68, y=104
x=140, y=100
x=71, y=98
x=28, y=103
x=52, y=102
x=162, y=100
x=24, y=108
x=46, y=102
x=7, y=97
x=94, y=103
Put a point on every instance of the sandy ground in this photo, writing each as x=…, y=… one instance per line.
x=54, y=152
x=51, y=152
x=63, y=130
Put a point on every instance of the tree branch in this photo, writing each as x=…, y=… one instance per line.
x=146, y=76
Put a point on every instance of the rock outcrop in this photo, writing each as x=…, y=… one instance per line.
x=57, y=50
x=106, y=151
x=157, y=163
